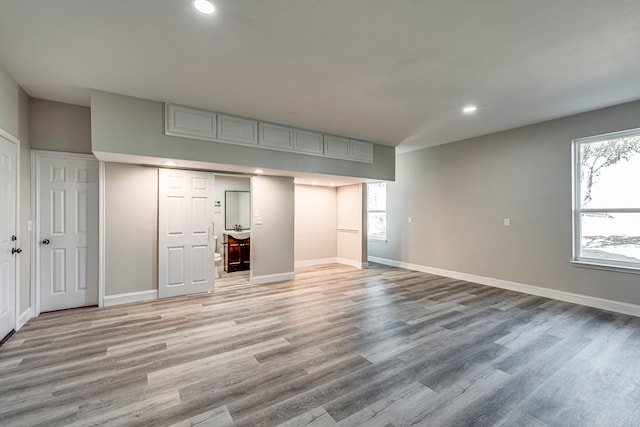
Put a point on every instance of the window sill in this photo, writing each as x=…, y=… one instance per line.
x=607, y=267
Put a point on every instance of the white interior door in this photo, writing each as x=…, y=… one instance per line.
x=67, y=212
x=8, y=179
x=185, y=232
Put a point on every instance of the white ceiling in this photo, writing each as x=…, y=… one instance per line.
x=395, y=72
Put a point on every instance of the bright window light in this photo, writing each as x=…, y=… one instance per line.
x=606, y=204
x=377, y=211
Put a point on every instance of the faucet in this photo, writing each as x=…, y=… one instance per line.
x=237, y=227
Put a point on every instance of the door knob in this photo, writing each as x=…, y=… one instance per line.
x=46, y=242
x=15, y=251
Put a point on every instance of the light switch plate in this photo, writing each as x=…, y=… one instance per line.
x=507, y=222
x=258, y=220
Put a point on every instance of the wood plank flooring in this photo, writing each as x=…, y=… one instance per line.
x=335, y=347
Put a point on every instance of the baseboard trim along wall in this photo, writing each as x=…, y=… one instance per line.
x=352, y=263
x=589, y=301
x=272, y=278
x=324, y=261
x=24, y=318
x=312, y=262
x=130, y=297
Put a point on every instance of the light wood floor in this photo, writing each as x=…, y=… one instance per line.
x=337, y=346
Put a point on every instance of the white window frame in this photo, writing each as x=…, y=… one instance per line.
x=376, y=236
x=578, y=210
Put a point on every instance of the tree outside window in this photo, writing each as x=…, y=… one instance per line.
x=607, y=199
x=377, y=211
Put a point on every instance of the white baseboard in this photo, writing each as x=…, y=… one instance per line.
x=24, y=318
x=272, y=278
x=352, y=263
x=324, y=261
x=589, y=301
x=312, y=262
x=130, y=297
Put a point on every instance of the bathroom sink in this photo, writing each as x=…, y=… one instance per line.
x=239, y=234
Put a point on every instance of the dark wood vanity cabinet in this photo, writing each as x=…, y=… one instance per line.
x=236, y=254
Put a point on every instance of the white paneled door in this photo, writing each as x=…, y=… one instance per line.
x=8, y=250
x=185, y=232
x=67, y=213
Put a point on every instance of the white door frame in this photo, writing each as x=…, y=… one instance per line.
x=101, y=234
x=36, y=155
x=6, y=135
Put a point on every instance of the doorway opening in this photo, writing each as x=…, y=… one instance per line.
x=232, y=228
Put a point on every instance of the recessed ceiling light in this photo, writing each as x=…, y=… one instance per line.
x=470, y=109
x=170, y=163
x=332, y=185
x=258, y=171
x=204, y=6
x=314, y=183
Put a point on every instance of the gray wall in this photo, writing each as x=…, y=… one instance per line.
x=57, y=126
x=272, y=243
x=9, y=104
x=315, y=223
x=133, y=126
x=131, y=228
x=351, y=224
x=459, y=193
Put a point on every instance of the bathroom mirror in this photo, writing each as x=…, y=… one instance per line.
x=237, y=210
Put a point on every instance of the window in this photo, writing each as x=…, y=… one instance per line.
x=606, y=214
x=377, y=211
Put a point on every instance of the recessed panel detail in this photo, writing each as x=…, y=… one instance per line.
x=81, y=269
x=6, y=229
x=176, y=182
x=5, y=268
x=199, y=224
x=199, y=261
x=199, y=184
x=58, y=271
x=82, y=175
x=176, y=215
x=5, y=163
x=58, y=174
x=81, y=211
x=175, y=266
x=58, y=212
x=194, y=123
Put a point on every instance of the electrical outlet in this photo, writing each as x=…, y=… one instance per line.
x=507, y=222
x=410, y=219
